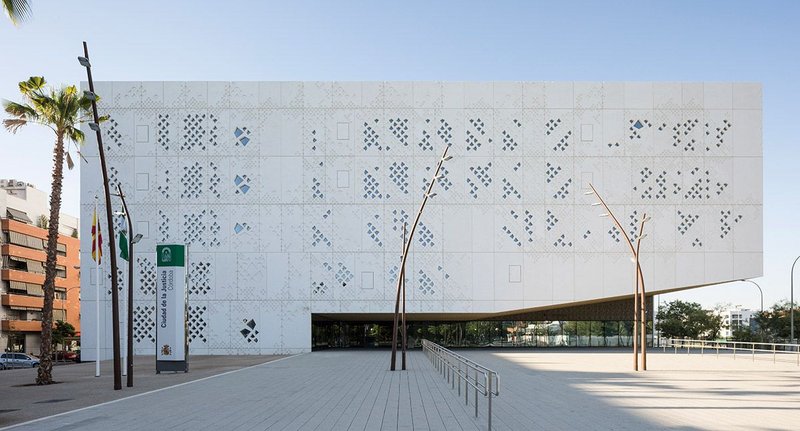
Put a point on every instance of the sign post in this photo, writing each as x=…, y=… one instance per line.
x=172, y=343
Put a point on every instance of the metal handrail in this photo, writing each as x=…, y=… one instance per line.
x=734, y=346
x=456, y=368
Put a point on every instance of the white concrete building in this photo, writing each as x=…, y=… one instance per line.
x=292, y=196
x=25, y=201
x=735, y=318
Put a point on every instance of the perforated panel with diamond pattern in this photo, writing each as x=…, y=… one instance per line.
x=292, y=196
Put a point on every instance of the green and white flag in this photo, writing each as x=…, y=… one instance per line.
x=123, y=245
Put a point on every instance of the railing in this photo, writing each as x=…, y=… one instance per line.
x=752, y=349
x=456, y=368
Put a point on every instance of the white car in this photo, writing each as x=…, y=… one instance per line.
x=18, y=360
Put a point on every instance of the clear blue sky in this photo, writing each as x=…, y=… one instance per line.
x=425, y=40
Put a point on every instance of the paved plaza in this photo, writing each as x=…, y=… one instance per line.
x=590, y=389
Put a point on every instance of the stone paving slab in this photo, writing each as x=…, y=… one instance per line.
x=78, y=387
x=598, y=390
x=347, y=390
x=548, y=389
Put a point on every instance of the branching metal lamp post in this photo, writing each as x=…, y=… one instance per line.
x=132, y=239
x=405, y=328
x=639, y=296
x=95, y=126
x=402, y=272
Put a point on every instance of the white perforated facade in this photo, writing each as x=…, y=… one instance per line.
x=291, y=196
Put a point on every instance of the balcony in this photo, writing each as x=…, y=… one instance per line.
x=29, y=302
x=34, y=278
x=21, y=325
x=32, y=254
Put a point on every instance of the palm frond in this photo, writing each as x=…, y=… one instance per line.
x=75, y=135
x=14, y=124
x=59, y=109
x=70, y=163
x=82, y=157
x=17, y=10
x=86, y=104
x=33, y=84
x=19, y=110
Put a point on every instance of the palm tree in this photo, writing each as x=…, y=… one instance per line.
x=17, y=10
x=61, y=110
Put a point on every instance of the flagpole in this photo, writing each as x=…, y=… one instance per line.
x=97, y=285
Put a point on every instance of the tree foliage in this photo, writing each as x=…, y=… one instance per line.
x=679, y=319
x=743, y=333
x=17, y=10
x=62, y=331
x=775, y=324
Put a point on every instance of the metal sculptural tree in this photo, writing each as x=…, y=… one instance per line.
x=402, y=272
x=639, y=296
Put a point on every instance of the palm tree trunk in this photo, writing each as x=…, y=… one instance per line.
x=45, y=373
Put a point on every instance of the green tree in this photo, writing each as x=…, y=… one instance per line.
x=17, y=10
x=774, y=322
x=679, y=319
x=61, y=110
x=61, y=332
x=742, y=333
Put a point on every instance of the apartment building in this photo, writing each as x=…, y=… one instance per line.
x=22, y=249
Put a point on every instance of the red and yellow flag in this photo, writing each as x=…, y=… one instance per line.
x=97, y=239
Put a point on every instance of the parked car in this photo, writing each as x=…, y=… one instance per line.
x=18, y=360
x=61, y=355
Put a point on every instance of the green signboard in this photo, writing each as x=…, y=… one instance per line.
x=170, y=304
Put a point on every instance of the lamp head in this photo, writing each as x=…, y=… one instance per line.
x=90, y=95
x=94, y=126
x=136, y=238
x=84, y=62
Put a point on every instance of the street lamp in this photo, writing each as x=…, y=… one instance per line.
x=639, y=299
x=84, y=61
x=133, y=240
x=791, y=303
x=762, y=302
x=759, y=289
x=402, y=272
